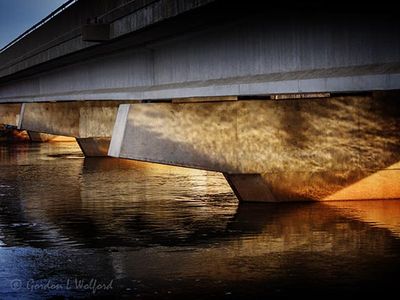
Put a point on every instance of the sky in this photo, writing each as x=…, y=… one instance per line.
x=16, y=16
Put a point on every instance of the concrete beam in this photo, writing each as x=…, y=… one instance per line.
x=96, y=32
x=286, y=54
x=9, y=114
x=204, y=99
x=90, y=123
x=305, y=149
x=63, y=34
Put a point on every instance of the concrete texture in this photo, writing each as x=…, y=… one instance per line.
x=94, y=146
x=62, y=35
x=9, y=114
x=255, y=55
x=250, y=187
x=307, y=149
x=91, y=123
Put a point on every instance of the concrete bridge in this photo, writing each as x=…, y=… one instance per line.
x=297, y=103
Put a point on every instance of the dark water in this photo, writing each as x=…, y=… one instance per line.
x=132, y=230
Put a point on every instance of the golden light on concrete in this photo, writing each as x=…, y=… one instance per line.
x=384, y=184
x=10, y=114
x=307, y=149
x=44, y=137
x=90, y=122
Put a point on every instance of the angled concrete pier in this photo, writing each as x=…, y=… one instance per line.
x=250, y=187
x=289, y=150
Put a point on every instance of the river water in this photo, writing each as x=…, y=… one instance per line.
x=74, y=227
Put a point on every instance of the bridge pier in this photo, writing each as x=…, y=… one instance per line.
x=93, y=146
x=10, y=113
x=91, y=122
x=272, y=150
x=250, y=187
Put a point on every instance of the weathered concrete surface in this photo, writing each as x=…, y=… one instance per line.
x=250, y=187
x=91, y=123
x=76, y=119
x=9, y=114
x=94, y=146
x=253, y=55
x=62, y=35
x=305, y=149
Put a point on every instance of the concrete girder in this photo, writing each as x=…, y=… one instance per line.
x=290, y=150
x=9, y=113
x=245, y=57
x=90, y=123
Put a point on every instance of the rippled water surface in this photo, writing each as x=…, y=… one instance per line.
x=74, y=227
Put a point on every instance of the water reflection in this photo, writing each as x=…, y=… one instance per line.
x=173, y=233
x=382, y=214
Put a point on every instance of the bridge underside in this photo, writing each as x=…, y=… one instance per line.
x=254, y=55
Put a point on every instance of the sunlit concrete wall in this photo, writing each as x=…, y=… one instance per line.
x=304, y=149
x=91, y=123
x=9, y=114
x=77, y=119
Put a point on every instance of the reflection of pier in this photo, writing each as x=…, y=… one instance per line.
x=273, y=236
x=180, y=226
x=382, y=214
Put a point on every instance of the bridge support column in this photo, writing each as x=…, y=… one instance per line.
x=90, y=122
x=94, y=146
x=250, y=187
x=273, y=151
